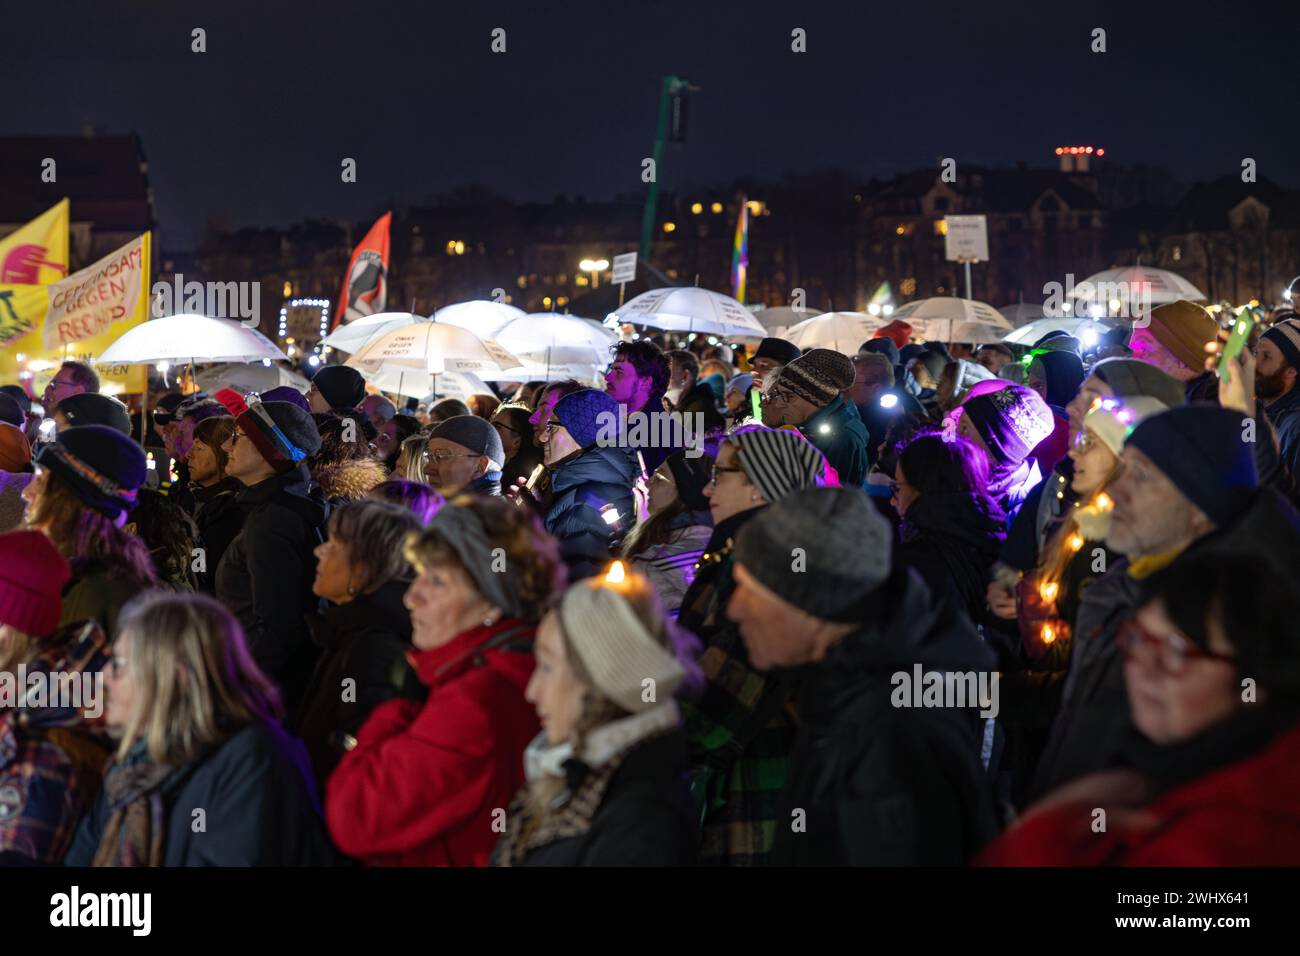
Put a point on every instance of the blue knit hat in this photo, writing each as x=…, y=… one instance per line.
x=584, y=413
x=1201, y=449
x=102, y=467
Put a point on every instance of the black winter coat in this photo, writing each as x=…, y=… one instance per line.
x=259, y=804
x=878, y=785
x=580, y=487
x=952, y=540
x=646, y=817
x=266, y=575
x=701, y=400
x=219, y=519
x=365, y=640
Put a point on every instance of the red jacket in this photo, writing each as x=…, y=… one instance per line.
x=1244, y=814
x=423, y=783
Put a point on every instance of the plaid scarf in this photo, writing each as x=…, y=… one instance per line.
x=137, y=818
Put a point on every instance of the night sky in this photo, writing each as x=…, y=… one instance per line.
x=252, y=132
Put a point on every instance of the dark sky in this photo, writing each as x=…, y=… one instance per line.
x=253, y=130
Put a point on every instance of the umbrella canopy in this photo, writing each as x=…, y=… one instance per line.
x=350, y=337
x=1022, y=313
x=1134, y=289
x=189, y=338
x=952, y=309
x=778, y=320
x=429, y=348
x=546, y=338
x=483, y=317
x=422, y=384
x=1031, y=333
x=250, y=377
x=838, y=331
x=949, y=330
x=687, y=309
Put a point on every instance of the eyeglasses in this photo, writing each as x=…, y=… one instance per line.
x=118, y=664
x=1173, y=651
x=55, y=381
x=442, y=455
x=1086, y=441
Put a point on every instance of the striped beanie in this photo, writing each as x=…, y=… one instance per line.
x=818, y=376
x=282, y=433
x=1286, y=336
x=777, y=461
x=615, y=648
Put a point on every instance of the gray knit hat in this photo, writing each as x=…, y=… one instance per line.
x=777, y=461
x=1130, y=377
x=843, y=544
x=475, y=434
x=1286, y=336
x=818, y=376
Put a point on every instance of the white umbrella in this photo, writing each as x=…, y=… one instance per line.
x=948, y=330
x=838, y=331
x=1022, y=314
x=777, y=320
x=350, y=337
x=948, y=308
x=249, y=377
x=688, y=309
x=1131, y=291
x=1031, y=333
x=427, y=349
x=547, y=338
x=189, y=338
x=421, y=384
x=483, y=317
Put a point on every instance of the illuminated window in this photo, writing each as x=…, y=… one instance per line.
x=697, y=208
x=670, y=227
x=546, y=301
x=900, y=230
x=522, y=282
x=941, y=227
x=716, y=208
x=581, y=280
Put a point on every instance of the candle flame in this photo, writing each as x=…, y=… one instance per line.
x=615, y=574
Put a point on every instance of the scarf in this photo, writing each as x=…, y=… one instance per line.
x=137, y=821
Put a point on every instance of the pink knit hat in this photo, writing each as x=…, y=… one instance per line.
x=32, y=576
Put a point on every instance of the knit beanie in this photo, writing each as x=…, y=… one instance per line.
x=909, y=352
x=1011, y=419
x=100, y=465
x=933, y=361
x=1182, y=328
x=778, y=350
x=742, y=383
x=885, y=346
x=1112, y=420
x=777, y=461
x=284, y=434
x=1286, y=336
x=1130, y=377
x=199, y=408
x=615, y=648
x=585, y=412
x=17, y=393
x=691, y=475
x=32, y=577
x=1064, y=374
x=844, y=544
x=897, y=331
x=1200, y=449
x=473, y=434
x=15, y=450
x=818, y=376
x=287, y=393
x=340, y=385
x=92, y=408
x=11, y=413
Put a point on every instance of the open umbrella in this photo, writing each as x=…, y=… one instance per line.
x=838, y=331
x=350, y=337
x=1031, y=333
x=189, y=338
x=249, y=377
x=1022, y=313
x=425, y=350
x=1132, y=290
x=938, y=318
x=483, y=317
x=546, y=338
x=688, y=309
x=946, y=330
x=777, y=320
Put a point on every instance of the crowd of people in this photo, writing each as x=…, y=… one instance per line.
x=329, y=631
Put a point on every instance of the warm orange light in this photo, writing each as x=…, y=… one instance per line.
x=1048, y=590
x=1076, y=542
x=1049, y=634
x=1101, y=152
x=1060, y=151
x=1105, y=502
x=615, y=574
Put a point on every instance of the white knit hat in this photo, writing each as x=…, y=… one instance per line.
x=1113, y=419
x=615, y=647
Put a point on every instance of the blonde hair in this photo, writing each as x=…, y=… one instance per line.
x=195, y=681
x=410, y=458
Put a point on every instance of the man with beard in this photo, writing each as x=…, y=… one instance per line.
x=1276, y=371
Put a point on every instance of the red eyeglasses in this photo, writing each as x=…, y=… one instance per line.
x=1172, y=651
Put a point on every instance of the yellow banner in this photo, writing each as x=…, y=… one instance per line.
x=37, y=253
x=80, y=317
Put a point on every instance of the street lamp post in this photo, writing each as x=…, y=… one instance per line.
x=595, y=267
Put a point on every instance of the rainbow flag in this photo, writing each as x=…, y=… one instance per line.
x=740, y=253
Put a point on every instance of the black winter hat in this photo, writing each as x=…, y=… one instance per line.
x=778, y=350
x=18, y=395
x=11, y=413
x=885, y=347
x=845, y=542
x=934, y=362
x=691, y=475
x=340, y=385
x=92, y=408
x=103, y=467
x=475, y=434
x=1203, y=451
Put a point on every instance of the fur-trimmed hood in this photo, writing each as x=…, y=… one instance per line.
x=350, y=479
